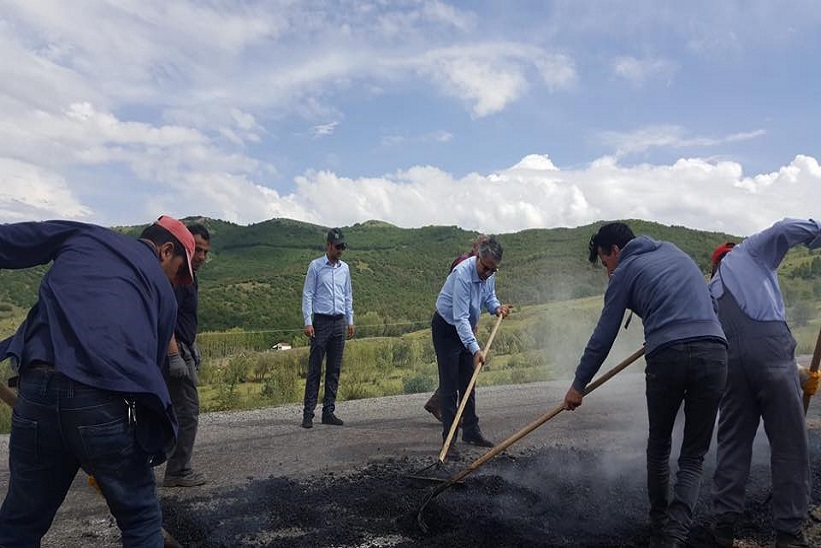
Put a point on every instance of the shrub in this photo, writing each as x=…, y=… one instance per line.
x=419, y=383
x=280, y=386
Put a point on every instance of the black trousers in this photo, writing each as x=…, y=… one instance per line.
x=455, y=370
x=330, y=333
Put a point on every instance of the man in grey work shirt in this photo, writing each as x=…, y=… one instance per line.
x=762, y=382
x=327, y=308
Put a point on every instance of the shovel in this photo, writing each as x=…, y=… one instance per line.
x=492, y=452
x=455, y=424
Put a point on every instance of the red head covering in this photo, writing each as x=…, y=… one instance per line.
x=720, y=251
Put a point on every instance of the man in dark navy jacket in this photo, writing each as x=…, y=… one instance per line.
x=183, y=366
x=89, y=356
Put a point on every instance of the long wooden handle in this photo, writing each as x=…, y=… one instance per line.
x=492, y=452
x=464, y=399
x=816, y=360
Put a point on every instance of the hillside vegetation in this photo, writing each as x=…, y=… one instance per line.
x=251, y=295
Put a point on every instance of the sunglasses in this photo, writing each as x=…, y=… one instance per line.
x=486, y=268
x=341, y=247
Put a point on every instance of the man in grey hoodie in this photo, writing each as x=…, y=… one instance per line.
x=686, y=355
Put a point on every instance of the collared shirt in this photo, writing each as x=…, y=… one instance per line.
x=327, y=290
x=187, y=302
x=105, y=310
x=461, y=299
x=749, y=270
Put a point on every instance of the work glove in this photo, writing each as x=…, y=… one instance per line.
x=177, y=368
x=811, y=385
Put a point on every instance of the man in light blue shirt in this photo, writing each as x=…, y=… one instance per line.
x=469, y=287
x=327, y=309
x=762, y=381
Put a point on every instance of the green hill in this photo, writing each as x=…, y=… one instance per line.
x=253, y=279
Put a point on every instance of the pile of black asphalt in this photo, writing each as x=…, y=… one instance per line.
x=554, y=496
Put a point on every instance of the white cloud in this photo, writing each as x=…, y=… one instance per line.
x=668, y=136
x=440, y=136
x=536, y=194
x=639, y=71
x=323, y=130
x=28, y=192
x=491, y=76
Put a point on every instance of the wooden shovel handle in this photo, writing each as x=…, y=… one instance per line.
x=492, y=452
x=455, y=424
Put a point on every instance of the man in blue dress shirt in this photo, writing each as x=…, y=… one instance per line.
x=89, y=356
x=327, y=309
x=762, y=381
x=470, y=286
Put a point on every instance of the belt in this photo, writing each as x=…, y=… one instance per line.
x=329, y=316
x=37, y=365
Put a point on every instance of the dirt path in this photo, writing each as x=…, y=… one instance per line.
x=578, y=480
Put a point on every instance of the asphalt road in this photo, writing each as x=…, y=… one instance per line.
x=238, y=449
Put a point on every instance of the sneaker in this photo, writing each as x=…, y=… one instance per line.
x=791, y=540
x=307, y=422
x=477, y=439
x=189, y=480
x=332, y=419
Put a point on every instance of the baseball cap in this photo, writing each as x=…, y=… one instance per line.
x=181, y=233
x=720, y=251
x=335, y=236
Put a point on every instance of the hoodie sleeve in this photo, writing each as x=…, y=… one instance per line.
x=598, y=347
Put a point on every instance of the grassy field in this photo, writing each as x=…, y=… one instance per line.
x=536, y=343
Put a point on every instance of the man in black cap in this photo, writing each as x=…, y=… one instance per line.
x=327, y=308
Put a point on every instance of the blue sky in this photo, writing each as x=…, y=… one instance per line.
x=490, y=115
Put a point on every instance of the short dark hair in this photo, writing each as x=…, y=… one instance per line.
x=159, y=236
x=198, y=229
x=490, y=248
x=609, y=235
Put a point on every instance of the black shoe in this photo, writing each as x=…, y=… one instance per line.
x=791, y=540
x=307, y=422
x=723, y=533
x=453, y=452
x=477, y=439
x=332, y=419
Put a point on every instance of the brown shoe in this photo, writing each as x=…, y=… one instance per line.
x=432, y=407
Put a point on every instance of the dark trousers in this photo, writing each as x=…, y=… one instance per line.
x=57, y=426
x=455, y=371
x=330, y=333
x=692, y=373
x=762, y=383
x=186, y=402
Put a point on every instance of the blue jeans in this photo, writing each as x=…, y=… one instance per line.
x=692, y=373
x=57, y=426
